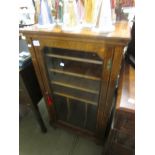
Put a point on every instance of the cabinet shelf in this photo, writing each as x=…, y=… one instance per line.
x=75, y=98
x=75, y=87
x=88, y=97
x=74, y=74
x=73, y=54
x=88, y=84
x=75, y=59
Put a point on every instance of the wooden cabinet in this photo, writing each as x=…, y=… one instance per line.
x=29, y=91
x=121, y=139
x=77, y=73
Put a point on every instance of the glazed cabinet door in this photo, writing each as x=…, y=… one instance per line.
x=75, y=75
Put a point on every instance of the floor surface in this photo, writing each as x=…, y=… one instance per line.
x=54, y=142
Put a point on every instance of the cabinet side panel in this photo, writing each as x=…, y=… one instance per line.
x=35, y=63
x=45, y=80
x=37, y=68
x=116, y=66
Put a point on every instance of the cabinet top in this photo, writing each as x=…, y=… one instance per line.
x=126, y=91
x=121, y=32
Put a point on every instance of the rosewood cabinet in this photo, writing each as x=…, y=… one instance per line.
x=77, y=73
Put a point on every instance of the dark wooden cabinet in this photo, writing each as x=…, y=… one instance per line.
x=121, y=139
x=77, y=73
x=29, y=92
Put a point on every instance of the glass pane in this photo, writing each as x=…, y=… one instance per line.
x=91, y=117
x=77, y=113
x=75, y=79
x=61, y=107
